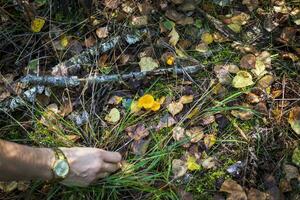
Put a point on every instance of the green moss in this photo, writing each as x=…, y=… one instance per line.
x=205, y=184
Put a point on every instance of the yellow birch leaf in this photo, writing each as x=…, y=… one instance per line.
x=242, y=79
x=191, y=164
x=207, y=38
x=37, y=24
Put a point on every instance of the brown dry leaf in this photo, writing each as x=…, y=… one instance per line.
x=147, y=64
x=248, y=61
x=65, y=109
x=265, y=57
x=139, y=147
x=174, y=15
x=186, y=99
x=175, y=107
x=240, y=19
x=290, y=56
x=209, y=163
x=8, y=187
x=179, y=168
x=178, y=133
x=185, y=21
x=254, y=194
x=139, y=21
x=89, y=42
x=165, y=122
x=223, y=72
x=242, y=114
x=288, y=35
x=294, y=119
x=219, y=38
x=137, y=132
x=201, y=47
x=234, y=190
x=252, y=98
x=265, y=81
x=291, y=172
x=112, y=4
x=102, y=32
x=207, y=119
x=195, y=133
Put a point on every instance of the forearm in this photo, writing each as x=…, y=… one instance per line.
x=20, y=162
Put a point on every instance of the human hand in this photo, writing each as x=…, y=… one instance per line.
x=89, y=164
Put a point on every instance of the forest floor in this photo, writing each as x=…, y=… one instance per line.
x=201, y=98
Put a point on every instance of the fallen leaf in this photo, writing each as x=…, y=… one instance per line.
x=242, y=114
x=89, y=42
x=207, y=119
x=252, y=98
x=137, y=132
x=147, y=64
x=207, y=38
x=65, y=109
x=139, y=147
x=179, y=168
x=248, y=61
x=251, y=4
x=209, y=163
x=139, y=21
x=165, y=122
x=210, y=140
x=178, y=133
x=234, y=190
x=201, y=47
x=112, y=4
x=291, y=172
x=113, y=116
x=37, y=24
x=102, y=32
x=64, y=41
x=174, y=37
x=259, y=68
x=175, y=107
x=235, y=28
x=294, y=119
x=115, y=100
x=186, y=99
x=8, y=187
x=195, y=133
x=192, y=165
x=134, y=107
x=242, y=79
x=265, y=81
x=173, y=15
x=254, y=194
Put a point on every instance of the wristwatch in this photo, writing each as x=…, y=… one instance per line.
x=60, y=168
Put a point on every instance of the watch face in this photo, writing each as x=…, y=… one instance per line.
x=61, y=168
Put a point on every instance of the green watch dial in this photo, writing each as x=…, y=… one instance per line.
x=61, y=168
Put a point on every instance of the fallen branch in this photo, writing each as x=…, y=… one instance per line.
x=63, y=81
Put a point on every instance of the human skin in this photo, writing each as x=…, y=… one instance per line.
x=87, y=165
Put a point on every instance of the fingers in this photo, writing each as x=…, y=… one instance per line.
x=111, y=157
x=109, y=167
x=102, y=175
